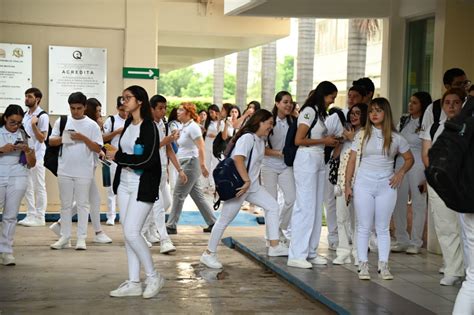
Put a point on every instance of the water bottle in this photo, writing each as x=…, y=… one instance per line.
x=106, y=180
x=138, y=149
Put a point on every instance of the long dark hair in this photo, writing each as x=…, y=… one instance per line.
x=141, y=95
x=91, y=108
x=363, y=113
x=278, y=97
x=425, y=101
x=253, y=123
x=255, y=104
x=11, y=110
x=212, y=107
x=173, y=115
x=316, y=98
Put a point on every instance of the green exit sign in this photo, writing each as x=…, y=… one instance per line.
x=141, y=73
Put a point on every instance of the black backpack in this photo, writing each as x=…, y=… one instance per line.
x=227, y=179
x=451, y=168
x=52, y=153
x=436, y=117
x=112, y=120
x=290, y=148
x=342, y=118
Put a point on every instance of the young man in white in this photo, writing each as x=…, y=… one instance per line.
x=81, y=141
x=113, y=127
x=36, y=124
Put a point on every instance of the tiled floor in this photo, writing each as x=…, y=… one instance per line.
x=415, y=289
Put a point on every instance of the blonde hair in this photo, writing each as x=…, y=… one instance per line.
x=388, y=127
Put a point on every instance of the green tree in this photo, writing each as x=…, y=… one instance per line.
x=229, y=86
x=173, y=83
x=285, y=73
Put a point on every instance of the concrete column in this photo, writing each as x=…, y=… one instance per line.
x=268, y=75
x=141, y=40
x=305, y=59
x=242, y=78
x=219, y=67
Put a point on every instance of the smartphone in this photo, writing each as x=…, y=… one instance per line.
x=19, y=142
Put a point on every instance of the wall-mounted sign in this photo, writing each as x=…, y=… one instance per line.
x=140, y=73
x=15, y=74
x=76, y=69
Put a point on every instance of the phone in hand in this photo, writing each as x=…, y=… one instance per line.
x=19, y=142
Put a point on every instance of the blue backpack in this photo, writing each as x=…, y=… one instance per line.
x=227, y=179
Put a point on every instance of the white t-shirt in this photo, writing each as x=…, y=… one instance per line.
x=76, y=159
x=374, y=158
x=411, y=133
x=215, y=126
x=174, y=125
x=277, y=140
x=428, y=120
x=334, y=125
x=319, y=131
x=243, y=147
x=162, y=133
x=118, y=123
x=43, y=126
x=129, y=138
x=190, y=132
x=10, y=162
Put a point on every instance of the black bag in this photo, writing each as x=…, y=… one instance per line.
x=342, y=118
x=451, y=168
x=290, y=148
x=333, y=169
x=227, y=179
x=52, y=153
x=218, y=145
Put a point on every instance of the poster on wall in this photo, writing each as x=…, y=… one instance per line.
x=76, y=69
x=15, y=73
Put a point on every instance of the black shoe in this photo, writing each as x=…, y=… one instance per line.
x=208, y=229
x=171, y=230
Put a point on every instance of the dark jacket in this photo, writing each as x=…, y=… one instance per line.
x=149, y=162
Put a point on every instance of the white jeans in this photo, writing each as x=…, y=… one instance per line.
x=271, y=180
x=310, y=176
x=410, y=183
x=111, y=197
x=94, y=201
x=448, y=230
x=231, y=208
x=211, y=162
x=36, y=197
x=74, y=189
x=465, y=299
x=346, y=228
x=12, y=190
x=133, y=216
x=157, y=216
x=374, y=200
x=330, y=210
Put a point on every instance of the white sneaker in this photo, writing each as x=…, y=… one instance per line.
x=153, y=286
x=128, y=288
x=81, y=244
x=364, y=271
x=153, y=236
x=450, y=280
x=56, y=228
x=167, y=246
x=299, y=263
x=384, y=271
x=413, y=250
x=318, y=260
x=341, y=260
x=110, y=222
x=210, y=260
x=102, y=238
x=63, y=242
x=8, y=259
x=398, y=248
x=31, y=221
x=278, y=251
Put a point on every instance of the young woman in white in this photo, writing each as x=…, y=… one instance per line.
x=212, y=126
x=446, y=221
x=13, y=176
x=375, y=187
x=250, y=139
x=191, y=155
x=346, y=218
x=275, y=173
x=310, y=176
x=136, y=183
x=414, y=183
x=174, y=125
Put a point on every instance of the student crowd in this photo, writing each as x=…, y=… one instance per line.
x=355, y=163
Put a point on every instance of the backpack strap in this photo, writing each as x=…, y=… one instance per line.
x=403, y=122
x=167, y=129
x=433, y=129
x=316, y=117
x=62, y=125
x=41, y=113
x=112, y=120
x=437, y=111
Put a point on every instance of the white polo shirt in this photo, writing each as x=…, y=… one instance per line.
x=319, y=131
x=277, y=140
x=43, y=126
x=189, y=133
x=243, y=147
x=10, y=162
x=119, y=122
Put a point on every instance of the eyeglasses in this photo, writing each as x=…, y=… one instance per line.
x=462, y=84
x=14, y=123
x=354, y=113
x=126, y=99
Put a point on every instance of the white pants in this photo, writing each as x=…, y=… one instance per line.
x=465, y=299
x=346, y=228
x=111, y=197
x=374, y=200
x=211, y=162
x=133, y=216
x=310, y=176
x=410, y=183
x=94, y=201
x=285, y=180
x=36, y=197
x=231, y=208
x=448, y=230
x=74, y=189
x=12, y=190
x=330, y=210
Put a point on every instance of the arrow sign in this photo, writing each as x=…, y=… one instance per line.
x=141, y=73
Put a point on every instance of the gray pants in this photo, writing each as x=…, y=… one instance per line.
x=194, y=188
